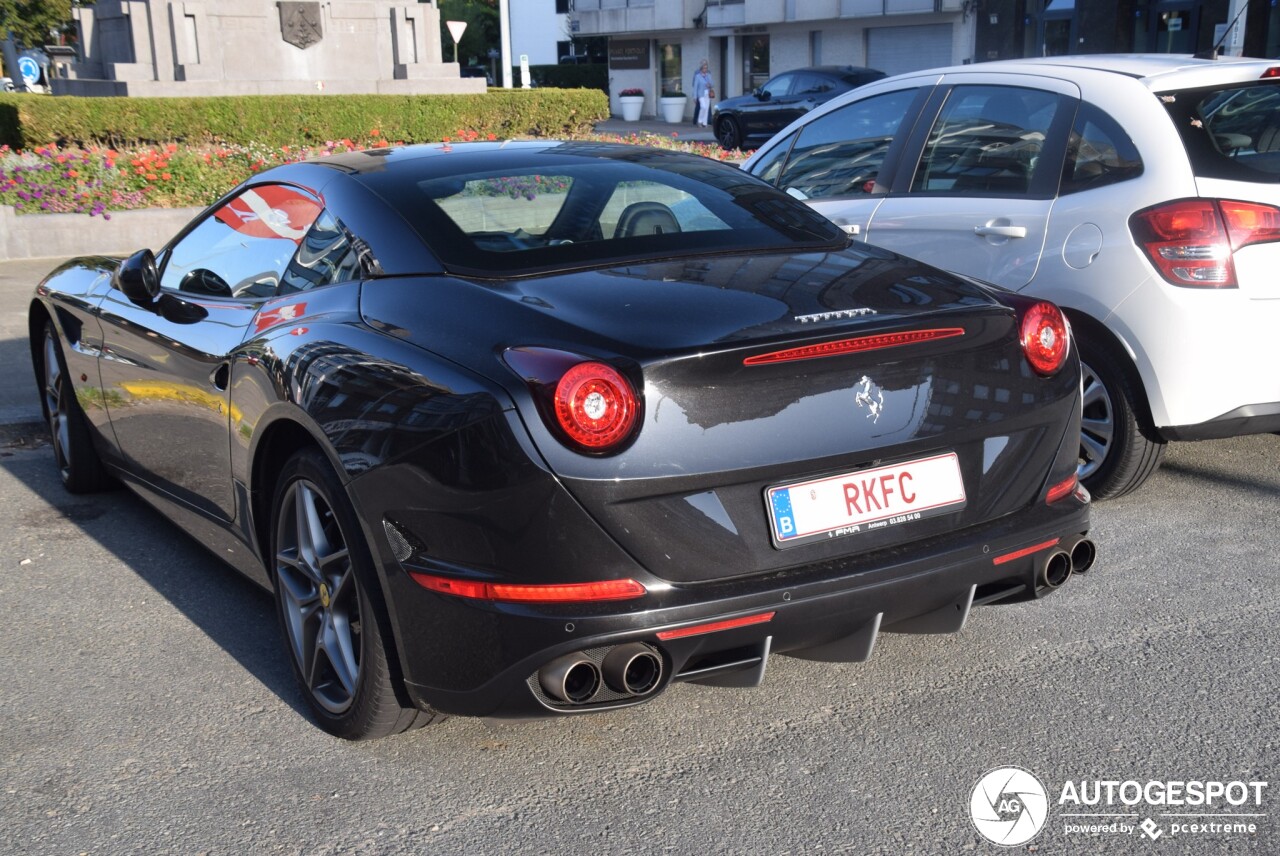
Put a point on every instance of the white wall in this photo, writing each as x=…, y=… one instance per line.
x=535, y=29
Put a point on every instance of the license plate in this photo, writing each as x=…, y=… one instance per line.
x=864, y=500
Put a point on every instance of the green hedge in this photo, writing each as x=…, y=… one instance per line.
x=27, y=121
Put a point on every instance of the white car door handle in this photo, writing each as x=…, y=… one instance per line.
x=1000, y=231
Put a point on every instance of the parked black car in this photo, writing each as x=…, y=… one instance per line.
x=535, y=428
x=782, y=100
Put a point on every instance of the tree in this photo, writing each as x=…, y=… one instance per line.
x=482, y=32
x=29, y=21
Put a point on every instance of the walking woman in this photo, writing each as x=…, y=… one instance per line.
x=703, y=93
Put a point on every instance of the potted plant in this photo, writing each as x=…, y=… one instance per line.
x=672, y=103
x=632, y=100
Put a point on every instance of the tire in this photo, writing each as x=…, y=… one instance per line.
x=79, y=466
x=728, y=133
x=1119, y=450
x=330, y=607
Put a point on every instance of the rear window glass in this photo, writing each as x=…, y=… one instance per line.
x=1230, y=132
x=539, y=214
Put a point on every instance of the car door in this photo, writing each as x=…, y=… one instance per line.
x=165, y=375
x=840, y=161
x=763, y=115
x=977, y=198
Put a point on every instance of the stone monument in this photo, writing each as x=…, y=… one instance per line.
x=260, y=47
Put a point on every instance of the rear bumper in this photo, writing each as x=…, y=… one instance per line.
x=483, y=658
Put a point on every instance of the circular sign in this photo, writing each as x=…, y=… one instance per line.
x=29, y=69
x=1009, y=806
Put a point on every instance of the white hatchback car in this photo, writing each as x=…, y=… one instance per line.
x=1140, y=193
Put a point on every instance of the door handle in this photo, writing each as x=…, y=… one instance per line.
x=1000, y=231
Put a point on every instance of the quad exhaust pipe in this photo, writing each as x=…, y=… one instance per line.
x=632, y=670
x=1057, y=566
x=1082, y=555
x=572, y=678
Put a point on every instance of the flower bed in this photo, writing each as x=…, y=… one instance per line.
x=96, y=181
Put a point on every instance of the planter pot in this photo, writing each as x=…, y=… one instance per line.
x=631, y=105
x=672, y=109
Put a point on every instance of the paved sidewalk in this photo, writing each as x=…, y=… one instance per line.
x=685, y=130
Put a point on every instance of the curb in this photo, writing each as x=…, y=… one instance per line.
x=30, y=236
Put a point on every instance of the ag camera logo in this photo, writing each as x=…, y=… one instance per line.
x=1009, y=806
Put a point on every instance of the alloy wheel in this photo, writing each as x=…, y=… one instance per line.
x=321, y=604
x=1097, y=424
x=56, y=404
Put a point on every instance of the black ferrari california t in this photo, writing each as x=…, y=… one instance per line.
x=520, y=429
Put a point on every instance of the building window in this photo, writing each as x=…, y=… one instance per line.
x=562, y=7
x=670, y=71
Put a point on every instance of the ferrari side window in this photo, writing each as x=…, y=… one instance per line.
x=325, y=256
x=840, y=154
x=244, y=247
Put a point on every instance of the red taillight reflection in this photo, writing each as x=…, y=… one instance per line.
x=1274, y=71
x=1044, y=337
x=513, y=593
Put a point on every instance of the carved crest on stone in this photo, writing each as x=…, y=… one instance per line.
x=300, y=24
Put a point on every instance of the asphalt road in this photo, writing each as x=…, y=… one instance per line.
x=146, y=705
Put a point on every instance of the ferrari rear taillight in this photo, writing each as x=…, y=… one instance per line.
x=1044, y=337
x=595, y=406
x=589, y=405
x=1191, y=241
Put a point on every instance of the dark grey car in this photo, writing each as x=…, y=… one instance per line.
x=782, y=100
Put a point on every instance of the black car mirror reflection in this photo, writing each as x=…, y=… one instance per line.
x=138, y=278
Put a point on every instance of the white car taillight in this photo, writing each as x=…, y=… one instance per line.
x=1191, y=241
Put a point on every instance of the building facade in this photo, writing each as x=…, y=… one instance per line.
x=657, y=45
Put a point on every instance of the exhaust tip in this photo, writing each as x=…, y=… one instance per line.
x=1083, y=555
x=1056, y=570
x=572, y=678
x=634, y=668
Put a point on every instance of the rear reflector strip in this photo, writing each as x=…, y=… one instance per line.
x=1026, y=551
x=561, y=593
x=1063, y=488
x=716, y=626
x=853, y=346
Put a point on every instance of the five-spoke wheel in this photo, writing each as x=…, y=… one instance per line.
x=327, y=595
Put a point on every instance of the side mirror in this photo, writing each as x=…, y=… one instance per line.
x=760, y=93
x=138, y=278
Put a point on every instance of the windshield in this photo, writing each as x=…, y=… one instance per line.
x=1230, y=132
x=524, y=213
